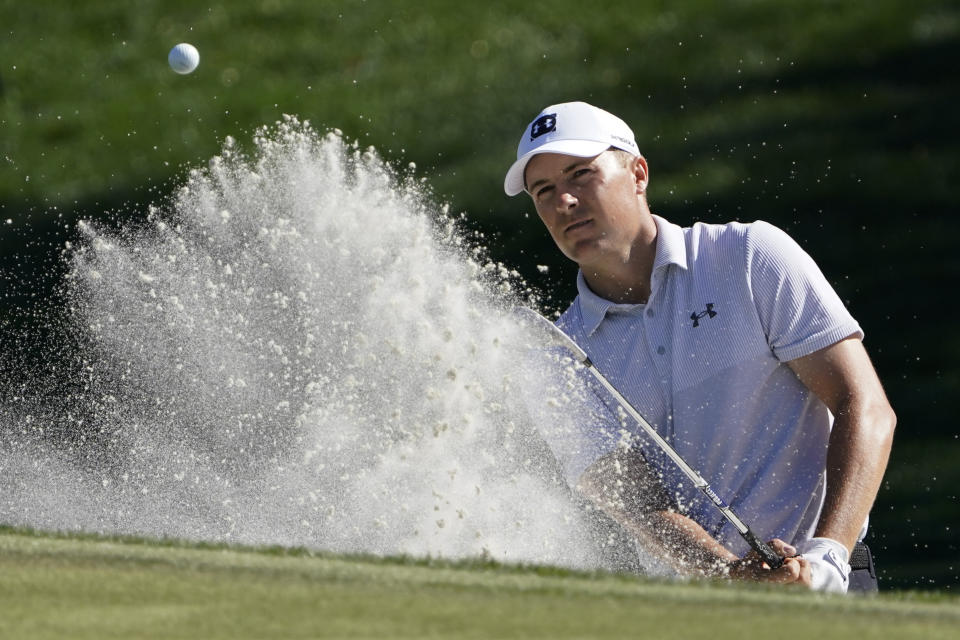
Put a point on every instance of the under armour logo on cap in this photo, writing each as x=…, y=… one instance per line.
x=543, y=125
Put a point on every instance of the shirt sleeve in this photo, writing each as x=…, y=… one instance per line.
x=799, y=310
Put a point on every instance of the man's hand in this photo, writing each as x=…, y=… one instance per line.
x=794, y=570
x=829, y=569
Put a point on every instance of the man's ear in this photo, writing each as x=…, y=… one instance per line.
x=641, y=174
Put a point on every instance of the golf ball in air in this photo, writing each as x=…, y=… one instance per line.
x=184, y=58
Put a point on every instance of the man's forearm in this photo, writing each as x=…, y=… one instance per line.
x=842, y=376
x=623, y=486
x=683, y=543
x=856, y=460
x=688, y=542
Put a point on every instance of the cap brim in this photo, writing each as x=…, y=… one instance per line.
x=514, y=184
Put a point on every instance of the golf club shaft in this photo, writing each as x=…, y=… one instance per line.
x=767, y=554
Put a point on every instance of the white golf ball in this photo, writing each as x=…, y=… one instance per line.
x=184, y=58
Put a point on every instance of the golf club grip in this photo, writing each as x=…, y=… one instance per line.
x=767, y=554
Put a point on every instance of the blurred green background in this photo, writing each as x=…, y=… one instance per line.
x=835, y=120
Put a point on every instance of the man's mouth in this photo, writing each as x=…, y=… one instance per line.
x=578, y=225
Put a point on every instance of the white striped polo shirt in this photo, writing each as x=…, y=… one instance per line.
x=703, y=361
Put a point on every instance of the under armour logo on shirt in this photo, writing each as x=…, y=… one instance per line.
x=542, y=125
x=697, y=316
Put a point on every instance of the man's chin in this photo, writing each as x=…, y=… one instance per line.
x=585, y=252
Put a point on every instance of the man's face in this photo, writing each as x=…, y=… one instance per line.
x=590, y=206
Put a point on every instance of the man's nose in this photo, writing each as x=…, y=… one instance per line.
x=567, y=201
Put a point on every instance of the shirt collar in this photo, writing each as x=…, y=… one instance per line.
x=671, y=249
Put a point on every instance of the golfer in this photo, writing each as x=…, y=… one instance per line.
x=733, y=345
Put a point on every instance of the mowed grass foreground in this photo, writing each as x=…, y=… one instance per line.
x=82, y=587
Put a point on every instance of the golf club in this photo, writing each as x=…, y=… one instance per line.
x=762, y=548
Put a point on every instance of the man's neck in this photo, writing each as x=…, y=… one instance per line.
x=625, y=279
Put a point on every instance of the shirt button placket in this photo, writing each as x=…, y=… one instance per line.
x=661, y=350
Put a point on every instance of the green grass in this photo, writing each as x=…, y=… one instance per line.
x=61, y=586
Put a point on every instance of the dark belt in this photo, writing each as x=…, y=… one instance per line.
x=861, y=558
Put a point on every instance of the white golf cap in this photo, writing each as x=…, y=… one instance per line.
x=573, y=129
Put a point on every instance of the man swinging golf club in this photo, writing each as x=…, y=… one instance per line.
x=734, y=347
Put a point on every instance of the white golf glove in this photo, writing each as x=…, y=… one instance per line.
x=829, y=569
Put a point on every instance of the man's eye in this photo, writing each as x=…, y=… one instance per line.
x=543, y=191
x=580, y=172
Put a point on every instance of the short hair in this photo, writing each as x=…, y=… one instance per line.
x=625, y=157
